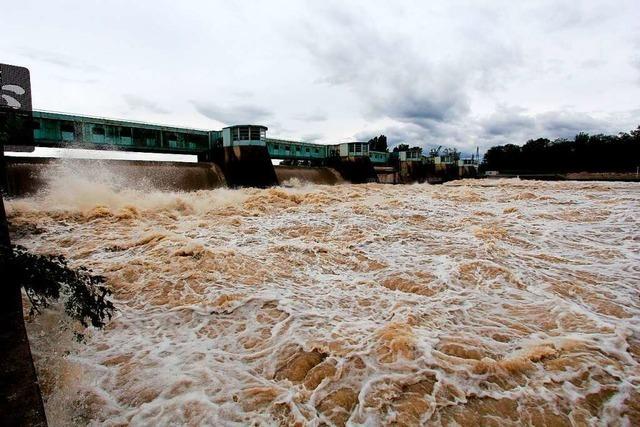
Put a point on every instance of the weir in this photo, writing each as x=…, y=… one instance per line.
x=27, y=175
x=236, y=156
x=313, y=175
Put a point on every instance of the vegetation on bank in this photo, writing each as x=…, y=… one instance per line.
x=585, y=153
x=48, y=278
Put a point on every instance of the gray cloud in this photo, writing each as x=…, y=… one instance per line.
x=506, y=125
x=312, y=117
x=58, y=59
x=138, y=103
x=436, y=73
x=566, y=124
x=312, y=137
x=516, y=125
x=635, y=59
x=506, y=122
x=431, y=99
x=238, y=114
x=593, y=63
x=389, y=77
x=393, y=78
x=563, y=16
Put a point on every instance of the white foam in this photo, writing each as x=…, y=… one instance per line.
x=307, y=266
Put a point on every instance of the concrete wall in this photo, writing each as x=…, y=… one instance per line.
x=248, y=166
x=357, y=170
x=387, y=174
x=26, y=176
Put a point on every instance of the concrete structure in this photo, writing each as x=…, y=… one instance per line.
x=58, y=129
x=379, y=157
x=353, y=149
x=243, y=152
x=410, y=156
x=294, y=150
x=244, y=136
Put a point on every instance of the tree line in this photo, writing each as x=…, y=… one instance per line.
x=585, y=153
x=379, y=143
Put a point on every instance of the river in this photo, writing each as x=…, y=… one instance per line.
x=477, y=302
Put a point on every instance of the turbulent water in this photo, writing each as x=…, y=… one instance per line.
x=481, y=302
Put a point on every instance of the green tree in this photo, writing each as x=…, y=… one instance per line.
x=48, y=278
x=378, y=143
x=589, y=153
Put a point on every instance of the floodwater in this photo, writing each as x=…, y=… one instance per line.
x=486, y=302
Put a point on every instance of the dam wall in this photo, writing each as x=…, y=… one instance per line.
x=28, y=175
x=387, y=175
x=233, y=167
x=357, y=170
x=410, y=172
x=247, y=166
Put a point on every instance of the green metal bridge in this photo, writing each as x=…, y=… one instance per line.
x=52, y=129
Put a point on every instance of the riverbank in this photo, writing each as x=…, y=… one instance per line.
x=572, y=176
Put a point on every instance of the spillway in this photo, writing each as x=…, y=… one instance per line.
x=309, y=175
x=27, y=176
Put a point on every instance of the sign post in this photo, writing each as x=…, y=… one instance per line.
x=20, y=399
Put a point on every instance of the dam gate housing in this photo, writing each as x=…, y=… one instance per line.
x=242, y=152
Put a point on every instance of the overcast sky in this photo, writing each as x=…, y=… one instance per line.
x=453, y=73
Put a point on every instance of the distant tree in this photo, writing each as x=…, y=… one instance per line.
x=401, y=147
x=378, y=143
x=584, y=153
x=416, y=148
x=582, y=138
x=502, y=157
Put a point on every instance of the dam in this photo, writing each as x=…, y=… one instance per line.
x=235, y=156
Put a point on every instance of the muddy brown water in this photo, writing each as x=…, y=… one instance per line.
x=473, y=303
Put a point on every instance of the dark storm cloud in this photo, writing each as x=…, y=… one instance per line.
x=565, y=124
x=430, y=94
x=395, y=79
x=506, y=122
x=138, y=103
x=411, y=134
x=424, y=104
x=238, y=114
x=506, y=125
x=516, y=126
x=424, y=73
